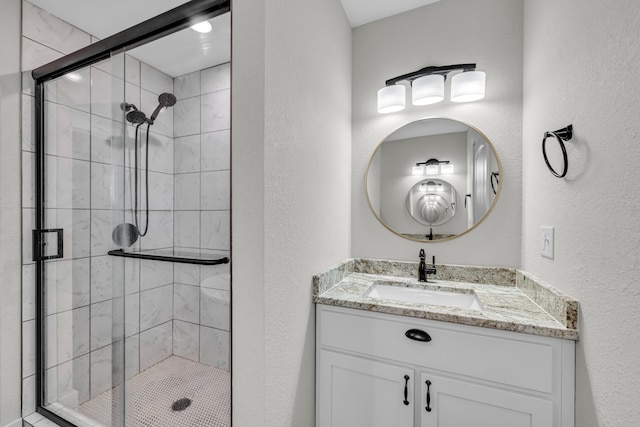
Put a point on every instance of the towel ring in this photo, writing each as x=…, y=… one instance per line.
x=561, y=135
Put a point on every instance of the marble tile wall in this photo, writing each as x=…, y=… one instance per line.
x=201, y=329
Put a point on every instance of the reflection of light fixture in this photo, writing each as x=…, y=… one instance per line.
x=74, y=77
x=427, y=87
x=202, y=27
x=446, y=168
x=432, y=167
x=431, y=186
x=417, y=170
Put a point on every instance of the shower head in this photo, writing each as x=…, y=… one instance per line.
x=164, y=100
x=136, y=117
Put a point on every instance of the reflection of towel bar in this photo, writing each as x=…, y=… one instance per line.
x=495, y=175
x=561, y=135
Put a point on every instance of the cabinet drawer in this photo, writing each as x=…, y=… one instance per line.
x=511, y=358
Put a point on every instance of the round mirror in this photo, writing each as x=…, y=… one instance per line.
x=433, y=179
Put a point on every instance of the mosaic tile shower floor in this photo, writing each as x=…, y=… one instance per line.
x=157, y=388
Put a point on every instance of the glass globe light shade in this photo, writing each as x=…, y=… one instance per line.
x=391, y=99
x=468, y=86
x=427, y=89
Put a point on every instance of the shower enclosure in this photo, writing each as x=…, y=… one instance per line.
x=130, y=243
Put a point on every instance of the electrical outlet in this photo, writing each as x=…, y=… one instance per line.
x=546, y=241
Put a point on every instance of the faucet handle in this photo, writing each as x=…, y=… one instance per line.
x=431, y=269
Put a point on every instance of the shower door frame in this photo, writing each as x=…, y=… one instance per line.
x=152, y=29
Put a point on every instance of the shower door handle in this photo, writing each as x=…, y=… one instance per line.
x=40, y=244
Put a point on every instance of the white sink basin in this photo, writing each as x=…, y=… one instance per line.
x=424, y=296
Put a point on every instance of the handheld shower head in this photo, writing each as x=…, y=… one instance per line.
x=167, y=99
x=164, y=100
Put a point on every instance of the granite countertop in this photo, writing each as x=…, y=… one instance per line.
x=511, y=299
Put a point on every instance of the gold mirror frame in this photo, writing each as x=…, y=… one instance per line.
x=487, y=213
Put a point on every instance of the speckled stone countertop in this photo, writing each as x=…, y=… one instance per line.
x=512, y=300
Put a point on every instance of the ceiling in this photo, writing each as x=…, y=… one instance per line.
x=362, y=12
x=175, y=55
x=187, y=50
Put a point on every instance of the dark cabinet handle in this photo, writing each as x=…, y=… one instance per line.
x=417, y=335
x=406, y=385
x=428, y=407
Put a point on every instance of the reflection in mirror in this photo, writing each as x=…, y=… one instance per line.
x=432, y=202
x=433, y=179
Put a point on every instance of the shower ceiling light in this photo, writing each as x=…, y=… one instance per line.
x=427, y=87
x=202, y=27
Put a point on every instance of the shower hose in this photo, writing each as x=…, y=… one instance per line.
x=146, y=181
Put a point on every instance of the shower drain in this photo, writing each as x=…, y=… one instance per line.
x=181, y=404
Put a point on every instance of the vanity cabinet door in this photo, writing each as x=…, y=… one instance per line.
x=459, y=403
x=358, y=392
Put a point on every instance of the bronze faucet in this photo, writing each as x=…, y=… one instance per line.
x=423, y=269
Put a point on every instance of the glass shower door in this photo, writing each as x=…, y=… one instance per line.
x=79, y=181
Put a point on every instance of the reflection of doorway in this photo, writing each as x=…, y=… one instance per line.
x=480, y=197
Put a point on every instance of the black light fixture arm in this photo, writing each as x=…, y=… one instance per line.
x=444, y=70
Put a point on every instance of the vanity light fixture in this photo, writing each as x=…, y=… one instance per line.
x=427, y=87
x=432, y=167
